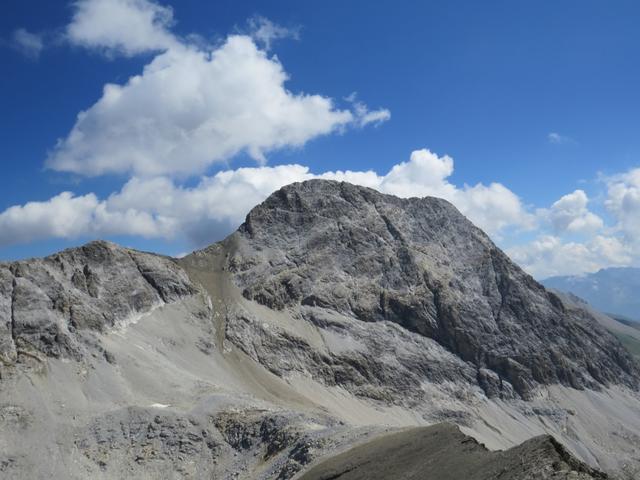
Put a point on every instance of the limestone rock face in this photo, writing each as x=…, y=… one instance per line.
x=420, y=264
x=46, y=305
x=332, y=317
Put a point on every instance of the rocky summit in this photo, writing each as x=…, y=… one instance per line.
x=420, y=264
x=317, y=341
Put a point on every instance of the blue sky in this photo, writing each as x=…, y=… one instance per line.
x=536, y=103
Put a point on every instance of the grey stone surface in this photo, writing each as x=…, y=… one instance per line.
x=333, y=314
x=381, y=362
x=421, y=264
x=46, y=305
x=143, y=443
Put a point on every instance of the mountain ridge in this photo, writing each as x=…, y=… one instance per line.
x=260, y=355
x=426, y=251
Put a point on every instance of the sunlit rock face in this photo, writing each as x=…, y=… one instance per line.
x=421, y=264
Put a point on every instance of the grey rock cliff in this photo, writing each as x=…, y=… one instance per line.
x=420, y=264
x=49, y=305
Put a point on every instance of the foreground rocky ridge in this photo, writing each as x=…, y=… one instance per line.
x=442, y=451
x=266, y=353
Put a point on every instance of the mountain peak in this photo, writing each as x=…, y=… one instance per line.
x=332, y=313
x=420, y=264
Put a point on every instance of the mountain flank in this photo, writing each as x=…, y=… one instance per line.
x=334, y=317
x=420, y=264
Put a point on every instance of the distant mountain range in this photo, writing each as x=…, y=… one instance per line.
x=612, y=290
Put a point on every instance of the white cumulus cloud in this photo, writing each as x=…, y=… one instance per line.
x=191, y=108
x=570, y=214
x=623, y=202
x=195, y=104
x=549, y=255
x=492, y=207
x=192, y=105
x=599, y=244
x=69, y=216
x=126, y=27
x=159, y=207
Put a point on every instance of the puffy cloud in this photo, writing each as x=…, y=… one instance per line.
x=616, y=244
x=623, y=202
x=549, y=255
x=62, y=216
x=195, y=104
x=492, y=207
x=190, y=109
x=570, y=214
x=424, y=174
x=206, y=212
x=581, y=241
x=151, y=207
x=158, y=207
x=192, y=105
x=69, y=216
x=28, y=43
x=127, y=27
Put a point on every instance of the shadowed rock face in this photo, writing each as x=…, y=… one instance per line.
x=46, y=305
x=421, y=264
x=443, y=452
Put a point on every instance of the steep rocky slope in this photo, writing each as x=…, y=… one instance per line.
x=625, y=331
x=420, y=264
x=333, y=315
x=46, y=306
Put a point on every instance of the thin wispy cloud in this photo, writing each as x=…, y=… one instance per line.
x=28, y=43
x=558, y=139
x=364, y=115
x=265, y=32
